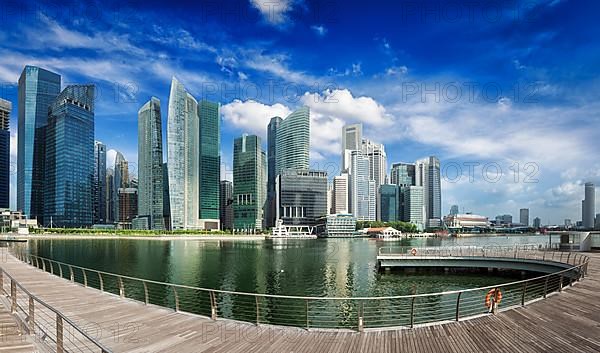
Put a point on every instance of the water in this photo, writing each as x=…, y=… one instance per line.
x=319, y=268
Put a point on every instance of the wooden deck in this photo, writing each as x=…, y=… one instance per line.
x=568, y=322
x=11, y=337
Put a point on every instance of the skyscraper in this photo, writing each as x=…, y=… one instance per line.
x=150, y=164
x=69, y=166
x=271, y=165
x=99, y=187
x=362, y=193
x=226, y=204
x=403, y=174
x=377, y=168
x=427, y=175
x=5, y=108
x=38, y=88
x=454, y=210
x=537, y=223
x=166, y=198
x=351, y=141
x=210, y=164
x=340, y=194
x=589, y=206
x=128, y=206
x=293, y=141
x=109, y=196
x=389, y=203
x=301, y=196
x=524, y=216
x=249, y=183
x=413, y=205
x=120, y=180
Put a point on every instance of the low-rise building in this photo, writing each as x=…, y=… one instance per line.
x=337, y=226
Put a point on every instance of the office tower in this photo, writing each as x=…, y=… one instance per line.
x=377, y=168
x=120, y=178
x=589, y=206
x=340, y=194
x=362, y=193
x=99, y=183
x=210, y=164
x=128, y=206
x=109, y=196
x=402, y=174
x=413, y=209
x=249, y=183
x=226, y=204
x=5, y=109
x=524, y=216
x=293, y=141
x=351, y=141
x=38, y=88
x=427, y=175
x=271, y=165
x=504, y=219
x=454, y=210
x=537, y=223
x=301, y=196
x=150, y=164
x=597, y=222
x=166, y=203
x=69, y=166
x=568, y=223
x=389, y=203
x=329, y=198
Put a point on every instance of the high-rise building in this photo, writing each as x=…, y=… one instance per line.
x=210, y=163
x=128, y=206
x=537, y=223
x=340, y=194
x=249, y=183
x=504, y=219
x=120, y=180
x=377, y=161
x=403, y=174
x=293, y=141
x=99, y=187
x=38, y=88
x=351, y=141
x=301, y=196
x=597, y=222
x=166, y=198
x=427, y=175
x=270, y=210
x=454, y=210
x=413, y=205
x=524, y=216
x=226, y=204
x=5, y=109
x=150, y=164
x=389, y=203
x=589, y=206
x=109, y=196
x=69, y=166
x=362, y=192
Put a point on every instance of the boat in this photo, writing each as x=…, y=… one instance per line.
x=281, y=231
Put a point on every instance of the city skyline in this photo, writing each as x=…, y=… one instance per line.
x=365, y=91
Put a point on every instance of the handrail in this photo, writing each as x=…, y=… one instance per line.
x=59, y=315
x=550, y=283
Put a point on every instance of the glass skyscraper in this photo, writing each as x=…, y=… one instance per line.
x=99, y=187
x=5, y=108
x=389, y=202
x=271, y=164
x=150, y=164
x=249, y=183
x=293, y=141
x=427, y=175
x=403, y=174
x=69, y=167
x=301, y=196
x=362, y=191
x=210, y=163
x=38, y=88
x=226, y=204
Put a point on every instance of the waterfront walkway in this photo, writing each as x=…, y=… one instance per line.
x=567, y=322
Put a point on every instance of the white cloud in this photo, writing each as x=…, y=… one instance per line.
x=396, y=70
x=251, y=116
x=274, y=12
x=275, y=64
x=319, y=30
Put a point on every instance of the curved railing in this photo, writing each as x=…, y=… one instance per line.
x=355, y=313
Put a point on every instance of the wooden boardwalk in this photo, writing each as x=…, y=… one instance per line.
x=568, y=322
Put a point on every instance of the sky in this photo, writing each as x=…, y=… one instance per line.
x=503, y=92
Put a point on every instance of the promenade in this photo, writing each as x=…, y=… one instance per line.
x=565, y=322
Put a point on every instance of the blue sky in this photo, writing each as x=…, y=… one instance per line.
x=492, y=84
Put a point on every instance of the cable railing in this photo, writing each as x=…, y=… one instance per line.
x=52, y=330
x=353, y=313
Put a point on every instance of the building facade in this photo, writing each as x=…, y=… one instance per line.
x=403, y=174
x=270, y=211
x=226, y=204
x=69, y=164
x=362, y=192
x=99, y=187
x=5, y=109
x=293, y=141
x=249, y=183
x=427, y=175
x=589, y=206
x=537, y=223
x=128, y=207
x=210, y=164
x=150, y=164
x=340, y=194
x=413, y=205
x=389, y=203
x=524, y=216
x=38, y=89
x=301, y=196
x=351, y=141
x=120, y=180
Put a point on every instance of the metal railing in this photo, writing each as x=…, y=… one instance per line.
x=51, y=328
x=355, y=313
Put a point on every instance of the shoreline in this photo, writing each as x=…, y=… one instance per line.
x=138, y=237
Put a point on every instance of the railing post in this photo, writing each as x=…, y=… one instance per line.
x=546, y=287
x=306, y=314
x=71, y=274
x=43, y=265
x=84, y=278
x=145, y=292
x=361, y=317
x=13, y=296
x=60, y=270
x=121, y=288
x=523, y=294
x=412, y=313
x=176, y=298
x=561, y=256
x=560, y=283
x=51, y=267
x=1, y=280
x=101, y=282
x=213, y=306
x=257, y=310
x=59, y=334
x=31, y=316
x=458, y=306
x=568, y=257
x=571, y=279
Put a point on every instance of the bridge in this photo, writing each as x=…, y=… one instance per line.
x=64, y=308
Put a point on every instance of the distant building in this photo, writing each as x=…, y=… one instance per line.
x=589, y=206
x=226, y=203
x=69, y=164
x=166, y=199
x=524, y=217
x=505, y=219
x=99, y=187
x=340, y=194
x=403, y=174
x=5, y=109
x=336, y=226
x=270, y=211
x=466, y=221
x=389, y=203
x=362, y=192
x=128, y=206
x=413, y=205
x=568, y=223
x=597, y=222
x=120, y=179
x=427, y=175
x=293, y=141
x=301, y=196
x=454, y=210
x=351, y=141
x=537, y=223
x=249, y=183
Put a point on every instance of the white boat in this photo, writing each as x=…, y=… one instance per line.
x=281, y=231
